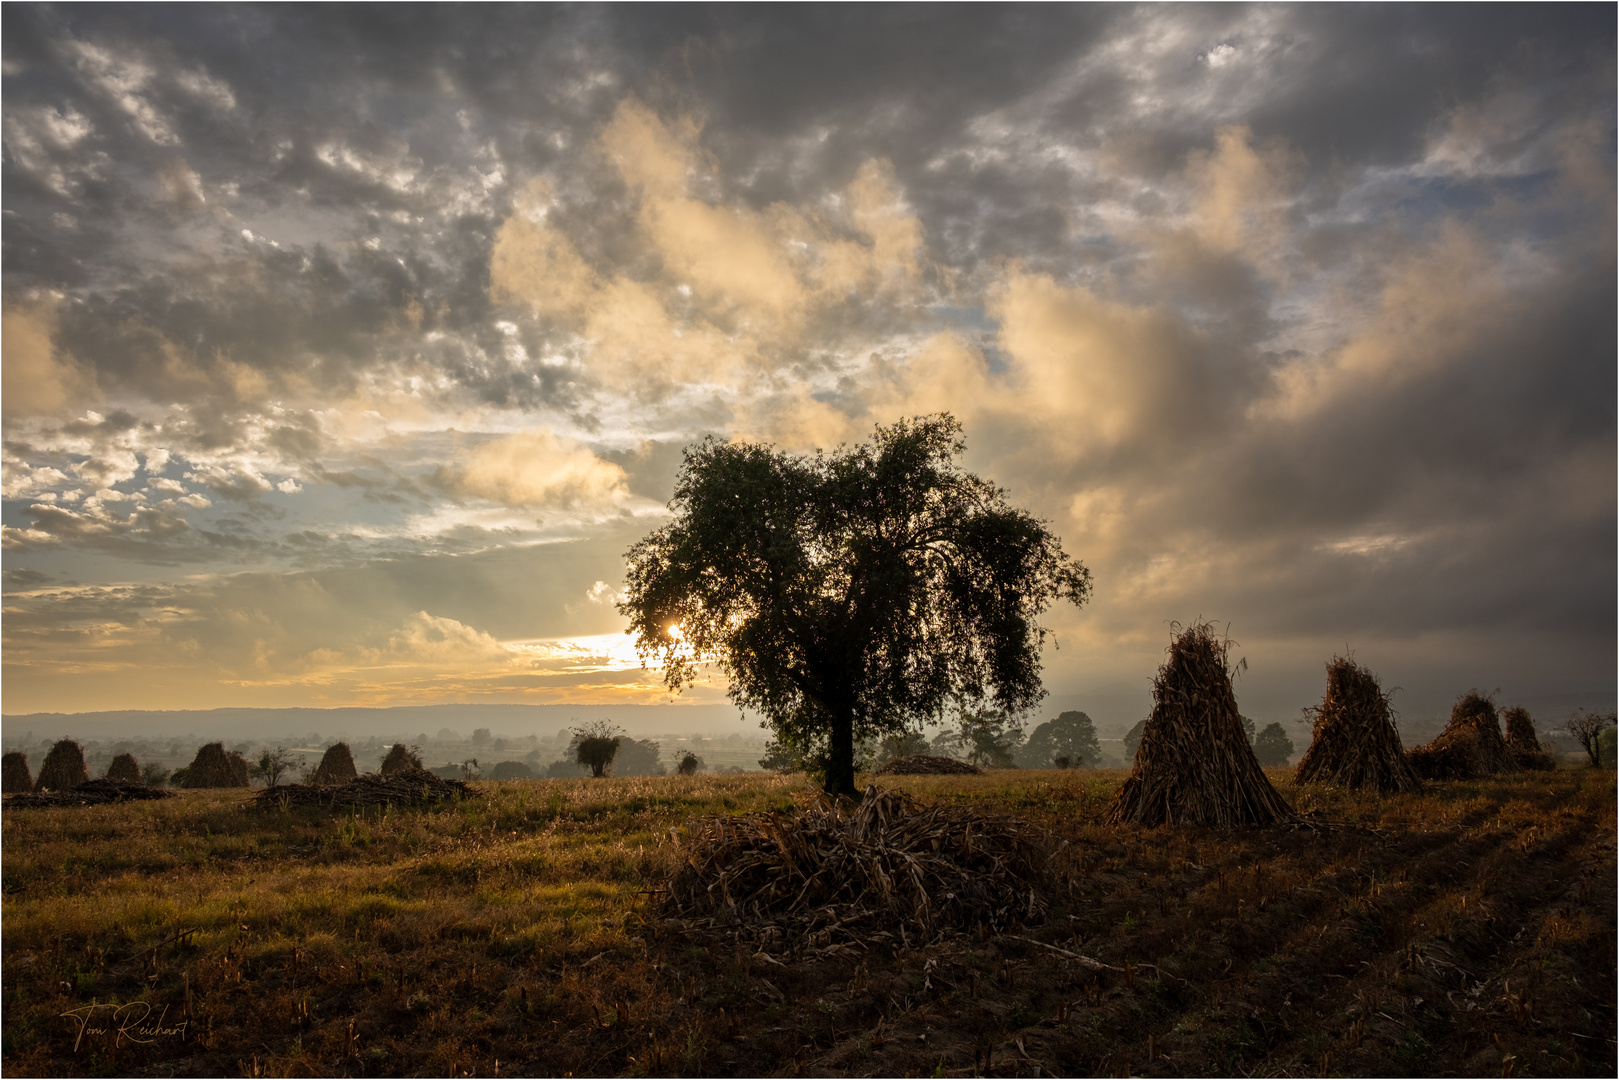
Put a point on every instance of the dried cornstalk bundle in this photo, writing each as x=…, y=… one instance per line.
x=415, y=787
x=926, y=765
x=399, y=759
x=895, y=870
x=14, y=775
x=90, y=793
x=1194, y=765
x=1470, y=745
x=336, y=767
x=63, y=769
x=1522, y=742
x=1355, y=742
x=124, y=767
x=214, y=768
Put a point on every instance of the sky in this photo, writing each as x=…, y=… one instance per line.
x=346, y=350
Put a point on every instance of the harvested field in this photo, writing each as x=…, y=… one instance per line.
x=1354, y=741
x=893, y=872
x=90, y=793
x=1464, y=930
x=418, y=787
x=928, y=765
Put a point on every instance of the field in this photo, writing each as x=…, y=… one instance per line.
x=1466, y=931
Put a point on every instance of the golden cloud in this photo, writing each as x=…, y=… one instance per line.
x=39, y=379
x=539, y=468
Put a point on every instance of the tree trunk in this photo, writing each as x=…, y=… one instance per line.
x=840, y=758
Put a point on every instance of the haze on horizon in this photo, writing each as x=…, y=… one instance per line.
x=346, y=351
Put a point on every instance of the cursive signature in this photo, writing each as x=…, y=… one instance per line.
x=127, y=1021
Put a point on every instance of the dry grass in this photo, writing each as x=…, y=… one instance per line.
x=1467, y=929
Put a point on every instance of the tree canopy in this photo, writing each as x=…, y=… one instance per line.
x=1071, y=736
x=850, y=594
x=594, y=745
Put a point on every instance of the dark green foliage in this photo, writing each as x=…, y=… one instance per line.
x=1272, y=746
x=689, y=764
x=1071, y=736
x=901, y=745
x=781, y=758
x=639, y=757
x=852, y=594
x=154, y=775
x=272, y=765
x=511, y=770
x=595, y=745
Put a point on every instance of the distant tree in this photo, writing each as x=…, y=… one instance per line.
x=511, y=770
x=639, y=757
x=480, y=736
x=177, y=778
x=781, y=758
x=154, y=775
x=902, y=745
x=1132, y=739
x=565, y=770
x=1248, y=729
x=689, y=764
x=470, y=769
x=1071, y=736
x=1272, y=747
x=850, y=594
x=991, y=738
x=1587, y=728
x=594, y=745
x=272, y=765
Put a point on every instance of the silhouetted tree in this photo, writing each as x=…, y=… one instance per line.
x=1587, y=728
x=689, y=764
x=594, y=746
x=850, y=594
x=1072, y=736
x=1272, y=746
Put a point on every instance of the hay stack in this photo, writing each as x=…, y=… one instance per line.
x=14, y=775
x=337, y=767
x=124, y=767
x=1522, y=743
x=1194, y=765
x=894, y=871
x=926, y=765
x=1471, y=744
x=214, y=768
x=63, y=769
x=1355, y=742
x=399, y=759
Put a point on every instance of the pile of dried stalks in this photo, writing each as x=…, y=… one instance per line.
x=90, y=793
x=14, y=775
x=1194, y=765
x=124, y=767
x=1471, y=744
x=400, y=759
x=63, y=769
x=822, y=879
x=415, y=787
x=336, y=767
x=926, y=765
x=1355, y=742
x=1522, y=742
x=214, y=768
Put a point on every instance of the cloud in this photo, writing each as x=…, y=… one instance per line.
x=539, y=469
x=39, y=378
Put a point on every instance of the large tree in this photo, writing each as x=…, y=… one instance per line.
x=850, y=594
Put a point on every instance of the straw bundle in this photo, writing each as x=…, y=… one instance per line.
x=90, y=793
x=1522, y=743
x=1355, y=742
x=892, y=871
x=400, y=759
x=1194, y=765
x=412, y=787
x=63, y=769
x=214, y=768
x=336, y=767
x=1470, y=745
x=124, y=767
x=926, y=765
x=14, y=775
